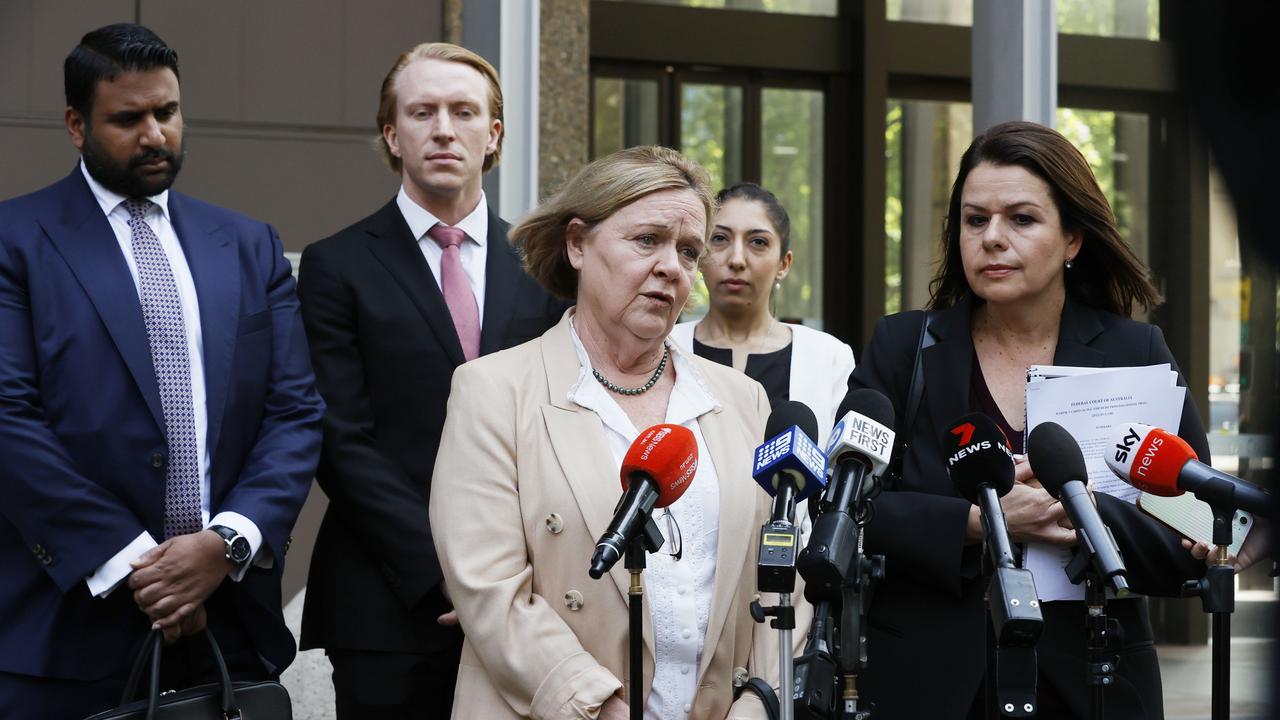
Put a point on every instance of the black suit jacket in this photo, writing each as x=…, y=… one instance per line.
x=384, y=349
x=927, y=618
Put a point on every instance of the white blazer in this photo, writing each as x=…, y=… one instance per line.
x=820, y=368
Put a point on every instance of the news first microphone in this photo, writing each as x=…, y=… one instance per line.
x=980, y=464
x=1160, y=463
x=656, y=471
x=859, y=449
x=1059, y=465
x=790, y=467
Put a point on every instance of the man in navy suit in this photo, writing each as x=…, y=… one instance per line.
x=392, y=304
x=159, y=424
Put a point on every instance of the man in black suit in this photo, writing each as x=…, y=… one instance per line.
x=392, y=305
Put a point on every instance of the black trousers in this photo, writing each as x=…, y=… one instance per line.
x=395, y=686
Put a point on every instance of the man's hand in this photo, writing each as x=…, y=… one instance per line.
x=191, y=623
x=172, y=579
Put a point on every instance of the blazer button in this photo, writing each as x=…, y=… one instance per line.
x=573, y=600
x=288, y=541
x=37, y=550
x=740, y=677
x=157, y=460
x=555, y=524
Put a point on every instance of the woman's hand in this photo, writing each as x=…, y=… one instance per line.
x=1034, y=516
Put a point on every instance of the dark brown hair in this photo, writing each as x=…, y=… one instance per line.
x=772, y=208
x=1105, y=274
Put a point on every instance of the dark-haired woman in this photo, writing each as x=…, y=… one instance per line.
x=748, y=255
x=1034, y=271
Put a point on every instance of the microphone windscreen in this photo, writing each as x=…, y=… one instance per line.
x=1055, y=457
x=871, y=404
x=666, y=453
x=1149, y=458
x=978, y=453
x=791, y=413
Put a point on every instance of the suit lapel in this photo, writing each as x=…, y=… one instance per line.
x=396, y=248
x=86, y=241
x=1080, y=325
x=948, y=365
x=502, y=273
x=588, y=467
x=735, y=503
x=213, y=261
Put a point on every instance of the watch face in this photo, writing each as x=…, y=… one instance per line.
x=239, y=550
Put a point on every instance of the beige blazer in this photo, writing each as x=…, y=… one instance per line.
x=523, y=487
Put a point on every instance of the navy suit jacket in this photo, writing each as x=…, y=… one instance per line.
x=82, y=446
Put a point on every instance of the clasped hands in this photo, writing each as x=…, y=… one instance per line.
x=171, y=581
x=1032, y=514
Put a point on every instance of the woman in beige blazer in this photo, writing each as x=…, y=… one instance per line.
x=528, y=472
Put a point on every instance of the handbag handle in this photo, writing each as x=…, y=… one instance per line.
x=152, y=647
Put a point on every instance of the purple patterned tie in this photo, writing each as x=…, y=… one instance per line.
x=457, y=289
x=167, y=335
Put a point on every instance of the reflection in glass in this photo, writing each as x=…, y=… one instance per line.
x=795, y=7
x=625, y=114
x=791, y=167
x=1110, y=18
x=711, y=130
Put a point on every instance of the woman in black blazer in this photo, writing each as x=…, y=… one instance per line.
x=1034, y=271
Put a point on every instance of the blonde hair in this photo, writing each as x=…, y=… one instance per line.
x=436, y=51
x=598, y=191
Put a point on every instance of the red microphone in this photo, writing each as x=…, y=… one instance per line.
x=656, y=471
x=1158, y=462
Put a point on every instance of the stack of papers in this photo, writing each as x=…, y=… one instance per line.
x=1090, y=403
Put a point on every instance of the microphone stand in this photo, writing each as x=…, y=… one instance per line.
x=648, y=540
x=1216, y=591
x=1014, y=621
x=1102, y=630
x=776, y=572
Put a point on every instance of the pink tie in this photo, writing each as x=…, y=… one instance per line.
x=457, y=289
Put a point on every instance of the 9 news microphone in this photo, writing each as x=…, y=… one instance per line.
x=790, y=467
x=981, y=467
x=860, y=446
x=1059, y=465
x=656, y=471
x=1158, y=462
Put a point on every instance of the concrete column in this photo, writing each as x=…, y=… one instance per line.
x=1015, y=62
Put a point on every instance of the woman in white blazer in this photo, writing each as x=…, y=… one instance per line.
x=748, y=254
x=527, y=476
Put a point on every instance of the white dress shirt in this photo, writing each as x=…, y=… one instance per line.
x=109, y=574
x=678, y=593
x=472, y=250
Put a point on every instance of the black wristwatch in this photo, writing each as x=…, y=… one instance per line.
x=238, y=549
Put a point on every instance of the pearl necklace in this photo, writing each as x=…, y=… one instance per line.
x=638, y=390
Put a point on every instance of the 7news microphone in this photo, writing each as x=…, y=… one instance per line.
x=656, y=471
x=1160, y=463
x=857, y=453
x=1059, y=465
x=791, y=468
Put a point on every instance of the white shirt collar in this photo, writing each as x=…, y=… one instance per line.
x=420, y=220
x=109, y=201
x=690, y=398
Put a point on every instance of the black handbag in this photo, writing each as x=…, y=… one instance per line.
x=225, y=700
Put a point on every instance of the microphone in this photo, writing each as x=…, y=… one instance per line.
x=790, y=467
x=981, y=468
x=1160, y=463
x=1058, y=463
x=860, y=446
x=656, y=471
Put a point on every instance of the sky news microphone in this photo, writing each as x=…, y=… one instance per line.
x=980, y=464
x=860, y=447
x=1158, y=462
x=656, y=471
x=1059, y=465
x=790, y=467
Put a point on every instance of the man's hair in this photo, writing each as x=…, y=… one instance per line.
x=449, y=53
x=106, y=53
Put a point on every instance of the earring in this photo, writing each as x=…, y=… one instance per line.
x=1069, y=264
x=773, y=297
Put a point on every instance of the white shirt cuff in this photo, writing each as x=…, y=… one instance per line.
x=110, y=573
x=250, y=531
